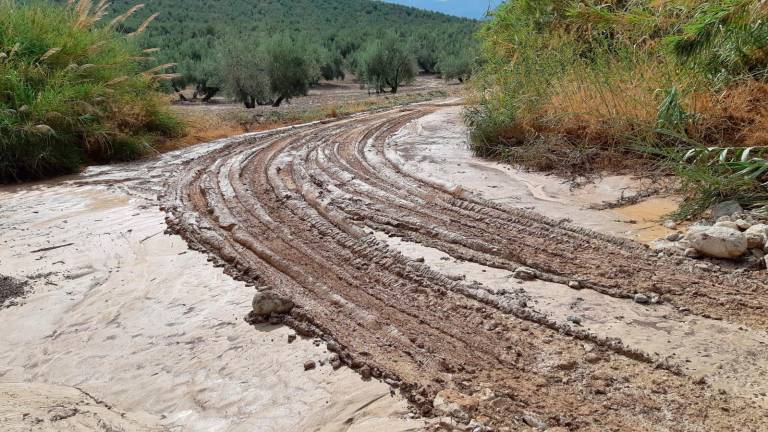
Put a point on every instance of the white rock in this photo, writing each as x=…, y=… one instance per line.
x=574, y=284
x=761, y=229
x=755, y=241
x=665, y=246
x=718, y=241
x=524, y=273
x=670, y=225
x=692, y=253
x=757, y=236
x=728, y=224
x=642, y=299
x=742, y=224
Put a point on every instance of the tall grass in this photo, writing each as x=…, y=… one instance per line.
x=577, y=86
x=73, y=90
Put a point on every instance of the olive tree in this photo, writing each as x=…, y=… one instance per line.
x=261, y=73
x=425, y=48
x=456, y=64
x=386, y=63
x=291, y=68
x=332, y=65
x=245, y=71
x=203, y=74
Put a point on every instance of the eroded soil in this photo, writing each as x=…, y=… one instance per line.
x=119, y=313
x=307, y=213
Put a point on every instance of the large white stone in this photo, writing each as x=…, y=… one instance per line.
x=718, y=242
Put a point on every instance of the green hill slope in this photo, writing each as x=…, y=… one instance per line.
x=187, y=31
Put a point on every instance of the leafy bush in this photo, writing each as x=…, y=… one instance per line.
x=716, y=174
x=725, y=39
x=72, y=91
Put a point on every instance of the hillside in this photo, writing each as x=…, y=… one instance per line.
x=181, y=20
x=187, y=31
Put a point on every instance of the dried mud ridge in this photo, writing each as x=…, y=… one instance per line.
x=293, y=211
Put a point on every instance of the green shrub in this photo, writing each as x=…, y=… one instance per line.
x=72, y=91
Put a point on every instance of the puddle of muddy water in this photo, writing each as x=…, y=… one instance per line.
x=648, y=217
x=130, y=315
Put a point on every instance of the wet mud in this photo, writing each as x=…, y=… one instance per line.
x=311, y=215
x=119, y=312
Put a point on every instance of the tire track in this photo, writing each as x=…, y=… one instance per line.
x=292, y=212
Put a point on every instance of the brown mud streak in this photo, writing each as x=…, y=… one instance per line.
x=287, y=210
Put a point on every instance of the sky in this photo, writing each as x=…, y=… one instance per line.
x=465, y=8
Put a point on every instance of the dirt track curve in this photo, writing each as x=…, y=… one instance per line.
x=295, y=211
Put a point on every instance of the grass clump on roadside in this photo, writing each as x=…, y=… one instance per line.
x=576, y=86
x=73, y=90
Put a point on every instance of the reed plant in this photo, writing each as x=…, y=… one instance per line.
x=73, y=90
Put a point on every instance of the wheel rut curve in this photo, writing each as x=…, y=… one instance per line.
x=293, y=212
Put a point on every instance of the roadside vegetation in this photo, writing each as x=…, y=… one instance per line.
x=577, y=87
x=72, y=90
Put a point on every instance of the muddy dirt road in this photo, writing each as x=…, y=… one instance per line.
x=399, y=248
x=324, y=214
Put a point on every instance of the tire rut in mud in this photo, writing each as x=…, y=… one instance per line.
x=292, y=211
